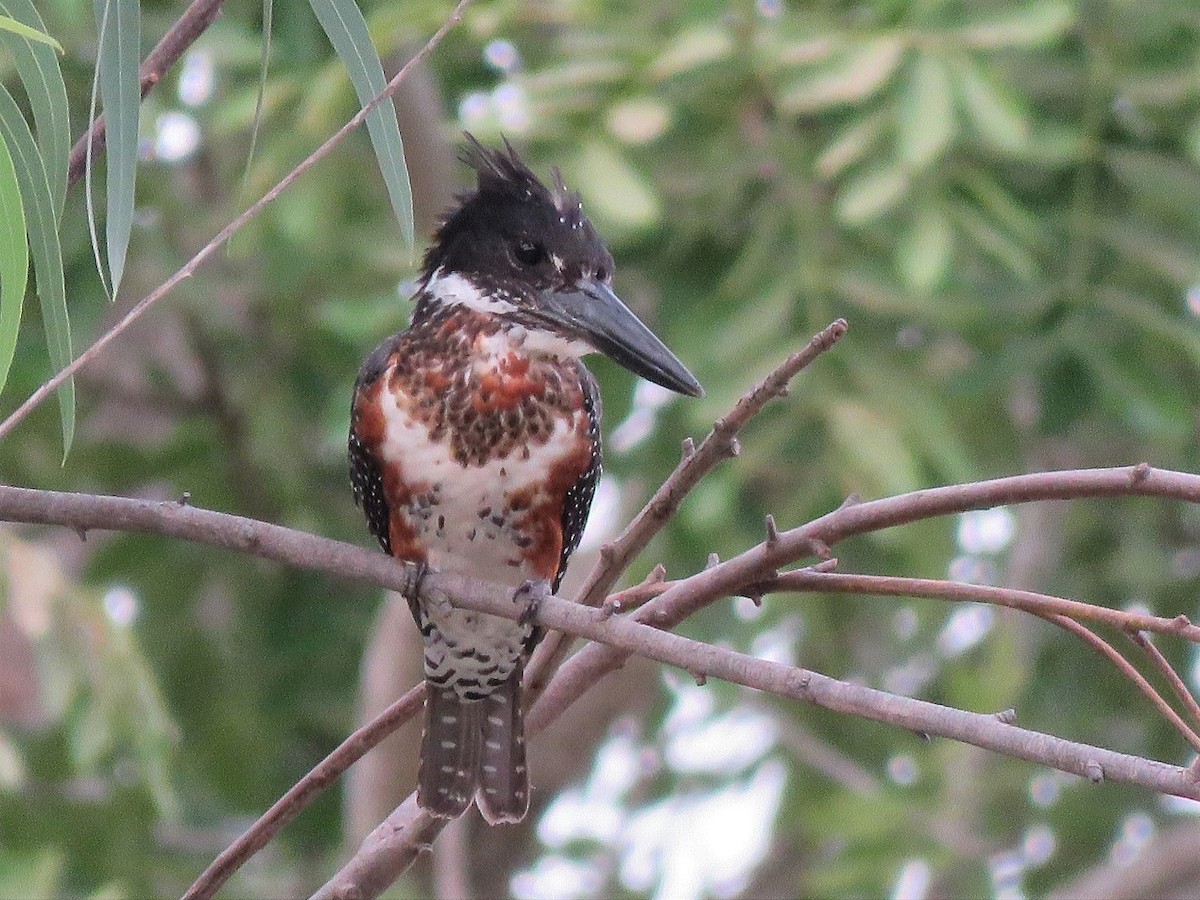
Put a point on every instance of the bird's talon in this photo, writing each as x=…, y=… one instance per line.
x=530, y=596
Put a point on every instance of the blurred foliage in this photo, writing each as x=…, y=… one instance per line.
x=1000, y=197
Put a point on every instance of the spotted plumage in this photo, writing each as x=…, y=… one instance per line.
x=475, y=448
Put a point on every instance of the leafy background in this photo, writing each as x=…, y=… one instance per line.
x=1001, y=198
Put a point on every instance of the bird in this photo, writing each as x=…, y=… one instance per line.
x=474, y=448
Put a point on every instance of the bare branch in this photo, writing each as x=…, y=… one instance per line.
x=290, y=805
x=1178, y=685
x=308, y=551
x=696, y=462
x=189, y=268
x=1107, y=650
x=809, y=580
x=760, y=563
x=194, y=21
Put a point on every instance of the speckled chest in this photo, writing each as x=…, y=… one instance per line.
x=481, y=446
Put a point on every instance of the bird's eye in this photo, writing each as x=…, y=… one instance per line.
x=529, y=254
x=602, y=274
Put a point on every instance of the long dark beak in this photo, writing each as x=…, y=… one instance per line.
x=594, y=313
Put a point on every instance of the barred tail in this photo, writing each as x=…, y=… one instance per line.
x=449, y=752
x=503, y=794
x=474, y=748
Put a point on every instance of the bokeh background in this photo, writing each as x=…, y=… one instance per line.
x=1003, y=198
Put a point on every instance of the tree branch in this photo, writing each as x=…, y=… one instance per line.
x=194, y=21
x=720, y=444
x=83, y=512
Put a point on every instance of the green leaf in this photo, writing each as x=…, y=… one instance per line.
x=874, y=447
x=117, y=60
x=617, y=193
x=995, y=241
x=1031, y=25
x=923, y=256
x=7, y=23
x=1163, y=183
x=855, y=77
x=268, y=17
x=926, y=124
x=14, y=260
x=346, y=29
x=45, y=249
x=851, y=145
x=997, y=114
x=870, y=194
x=41, y=76
x=692, y=49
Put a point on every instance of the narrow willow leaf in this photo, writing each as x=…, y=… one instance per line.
x=923, y=256
x=873, y=448
x=45, y=250
x=1029, y=25
x=268, y=15
x=7, y=23
x=996, y=113
x=691, y=49
x=14, y=260
x=1148, y=246
x=855, y=77
x=997, y=200
x=346, y=29
x=871, y=194
x=926, y=124
x=41, y=76
x=994, y=241
x=851, y=144
x=1159, y=182
x=117, y=61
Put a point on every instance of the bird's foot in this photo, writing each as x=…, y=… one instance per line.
x=417, y=587
x=530, y=595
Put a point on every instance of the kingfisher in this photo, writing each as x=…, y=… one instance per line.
x=475, y=449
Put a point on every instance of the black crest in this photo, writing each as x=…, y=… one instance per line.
x=509, y=203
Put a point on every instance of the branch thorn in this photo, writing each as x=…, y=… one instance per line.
x=825, y=565
x=701, y=678
x=1140, y=473
x=852, y=499
x=735, y=447
x=82, y=532
x=657, y=575
x=609, y=607
x=772, y=530
x=1094, y=771
x=185, y=499
x=608, y=552
x=1007, y=716
x=689, y=448
x=713, y=560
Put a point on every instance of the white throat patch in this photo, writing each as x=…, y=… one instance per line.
x=455, y=290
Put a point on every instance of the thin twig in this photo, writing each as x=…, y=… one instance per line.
x=761, y=562
x=305, y=551
x=287, y=807
x=187, y=28
x=1178, y=685
x=696, y=462
x=189, y=268
x=808, y=580
x=1104, y=648
x=395, y=844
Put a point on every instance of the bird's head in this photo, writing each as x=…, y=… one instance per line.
x=519, y=250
